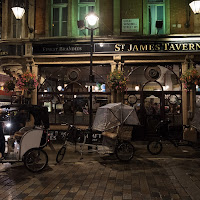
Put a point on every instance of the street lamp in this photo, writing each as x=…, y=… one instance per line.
x=92, y=20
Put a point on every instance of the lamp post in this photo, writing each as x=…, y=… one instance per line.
x=92, y=19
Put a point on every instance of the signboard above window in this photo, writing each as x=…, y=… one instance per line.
x=130, y=25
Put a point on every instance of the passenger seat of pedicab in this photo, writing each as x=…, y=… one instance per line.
x=41, y=118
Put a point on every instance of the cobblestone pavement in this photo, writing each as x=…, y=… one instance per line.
x=174, y=174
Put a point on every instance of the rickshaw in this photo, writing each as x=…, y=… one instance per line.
x=29, y=147
x=113, y=120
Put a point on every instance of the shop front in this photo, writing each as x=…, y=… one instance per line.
x=153, y=69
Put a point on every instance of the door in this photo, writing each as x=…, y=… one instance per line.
x=152, y=108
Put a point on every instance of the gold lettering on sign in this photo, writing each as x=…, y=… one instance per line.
x=130, y=47
x=171, y=47
x=191, y=46
x=143, y=47
x=157, y=47
x=135, y=48
x=197, y=46
x=166, y=46
x=185, y=47
x=178, y=46
x=117, y=48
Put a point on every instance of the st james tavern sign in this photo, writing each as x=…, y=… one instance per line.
x=118, y=47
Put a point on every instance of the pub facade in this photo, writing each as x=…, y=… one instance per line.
x=152, y=41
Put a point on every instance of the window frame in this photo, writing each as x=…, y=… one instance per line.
x=60, y=6
x=156, y=4
x=87, y=5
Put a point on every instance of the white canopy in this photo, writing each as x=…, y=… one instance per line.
x=113, y=115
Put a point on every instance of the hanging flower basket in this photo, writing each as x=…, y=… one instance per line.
x=27, y=81
x=117, y=80
x=9, y=85
x=190, y=78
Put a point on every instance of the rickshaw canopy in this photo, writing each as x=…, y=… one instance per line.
x=113, y=115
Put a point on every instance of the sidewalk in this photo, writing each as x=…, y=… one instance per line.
x=172, y=175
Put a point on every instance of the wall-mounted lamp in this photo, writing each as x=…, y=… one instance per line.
x=19, y=10
x=195, y=6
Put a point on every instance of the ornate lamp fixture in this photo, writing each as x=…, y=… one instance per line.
x=18, y=10
x=195, y=6
x=92, y=19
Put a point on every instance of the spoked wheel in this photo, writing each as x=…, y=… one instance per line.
x=154, y=147
x=125, y=151
x=60, y=154
x=35, y=160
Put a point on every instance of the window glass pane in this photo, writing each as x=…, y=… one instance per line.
x=159, y=12
x=55, y=14
x=90, y=8
x=56, y=1
x=59, y=1
x=82, y=13
x=64, y=28
x=82, y=32
x=64, y=14
x=86, y=1
x=56, y=29
x=155, y=1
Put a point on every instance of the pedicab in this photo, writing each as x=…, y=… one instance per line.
x=112, y=121
x=29, y=147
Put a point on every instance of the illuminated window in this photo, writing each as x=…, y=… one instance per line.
x=59, y=17
x=156, y=13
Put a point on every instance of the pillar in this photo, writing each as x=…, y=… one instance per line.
x=34, y=92
x=185, y=99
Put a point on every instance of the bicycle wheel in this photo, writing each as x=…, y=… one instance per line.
x=154, y=147
x=35, y=159
x=125, y=151
x=60, y=154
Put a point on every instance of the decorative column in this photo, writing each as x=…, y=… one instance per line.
x=192, y=98
x=185, y=99
x=34, y=92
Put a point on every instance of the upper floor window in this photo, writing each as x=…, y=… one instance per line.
x=85, y=7
x=59, y=17
x=156, y=16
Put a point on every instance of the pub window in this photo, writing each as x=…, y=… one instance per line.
x=156, y=17
x=59, y=17
x=84, y=7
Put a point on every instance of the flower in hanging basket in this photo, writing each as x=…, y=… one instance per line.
x=117, y=80
x=9, y=85
x=27, y=81
x=190, y=78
